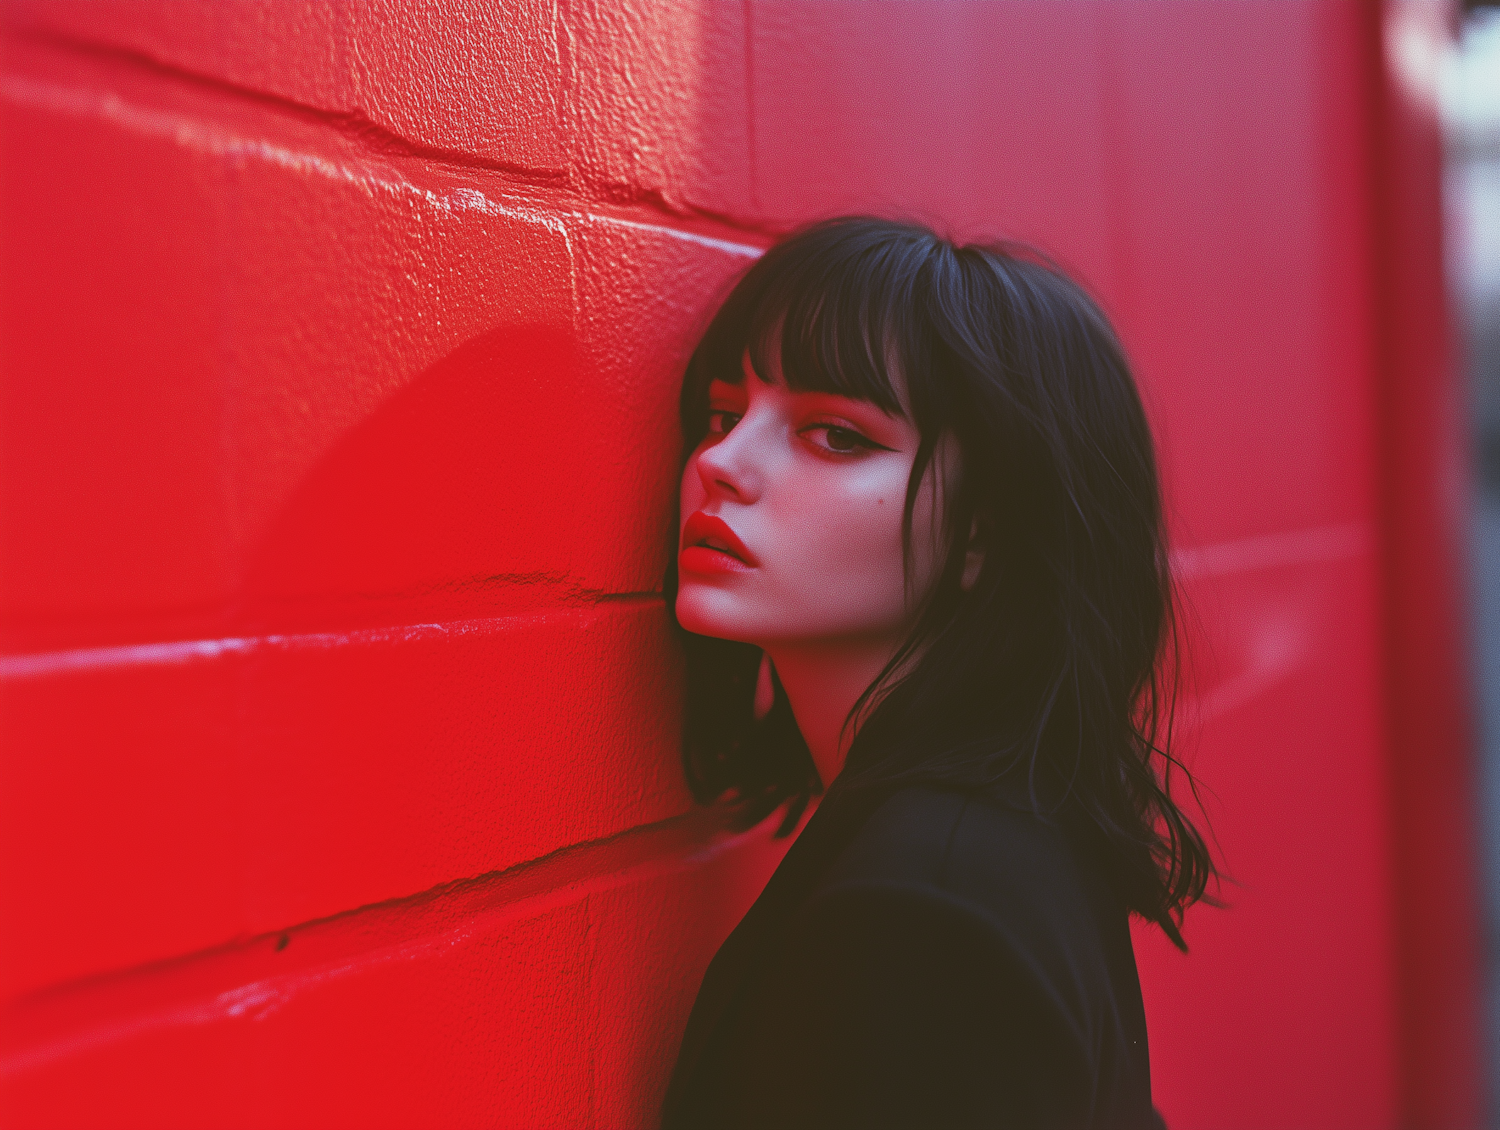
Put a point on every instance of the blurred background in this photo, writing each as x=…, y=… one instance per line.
x=1471, y=100
x=339, y=352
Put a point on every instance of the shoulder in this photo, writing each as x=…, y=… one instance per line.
x=956, y=955
x=942, y=871
x=907, y=985
x=988, y=851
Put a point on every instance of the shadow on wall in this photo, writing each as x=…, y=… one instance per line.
x=446, y=488
x=1472, y=199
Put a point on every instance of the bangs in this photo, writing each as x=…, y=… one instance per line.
x=835, y=332
x=835, y=311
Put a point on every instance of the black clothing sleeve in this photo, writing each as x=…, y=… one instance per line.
x=903, y=1006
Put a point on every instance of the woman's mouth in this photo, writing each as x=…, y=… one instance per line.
x=710, y=546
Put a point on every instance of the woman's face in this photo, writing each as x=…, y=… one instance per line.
x=791, y=518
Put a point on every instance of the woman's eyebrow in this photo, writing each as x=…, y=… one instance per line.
x=855, y=403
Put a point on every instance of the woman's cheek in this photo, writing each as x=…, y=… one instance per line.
x=858, y=569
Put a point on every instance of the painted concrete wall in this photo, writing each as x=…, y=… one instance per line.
x=341, y=343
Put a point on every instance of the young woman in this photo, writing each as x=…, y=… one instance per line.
x=921, y=570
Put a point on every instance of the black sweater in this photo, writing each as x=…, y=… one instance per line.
x=923, y=957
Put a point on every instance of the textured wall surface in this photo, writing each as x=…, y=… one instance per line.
x=341, y=343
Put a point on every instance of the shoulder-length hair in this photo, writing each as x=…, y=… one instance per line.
x=1057, y=666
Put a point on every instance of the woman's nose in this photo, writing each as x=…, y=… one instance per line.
x=731, y=465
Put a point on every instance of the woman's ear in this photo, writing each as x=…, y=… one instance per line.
x=974, y=559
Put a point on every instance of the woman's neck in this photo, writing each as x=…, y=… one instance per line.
x=822, y=682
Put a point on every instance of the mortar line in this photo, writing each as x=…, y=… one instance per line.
x=99, y=1009
x=356, y=126
x=170, y=652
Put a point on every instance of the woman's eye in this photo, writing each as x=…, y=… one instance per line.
x=841, y=439
x=720, y=421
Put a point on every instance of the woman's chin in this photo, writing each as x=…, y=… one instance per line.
x=708, y=613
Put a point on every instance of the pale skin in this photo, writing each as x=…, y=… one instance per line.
x=812, y=485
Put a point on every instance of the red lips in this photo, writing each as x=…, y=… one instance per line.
x=710, y=546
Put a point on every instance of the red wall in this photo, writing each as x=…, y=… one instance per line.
x=337, y=441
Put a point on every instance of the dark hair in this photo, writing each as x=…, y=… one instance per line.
x=1060, y=661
